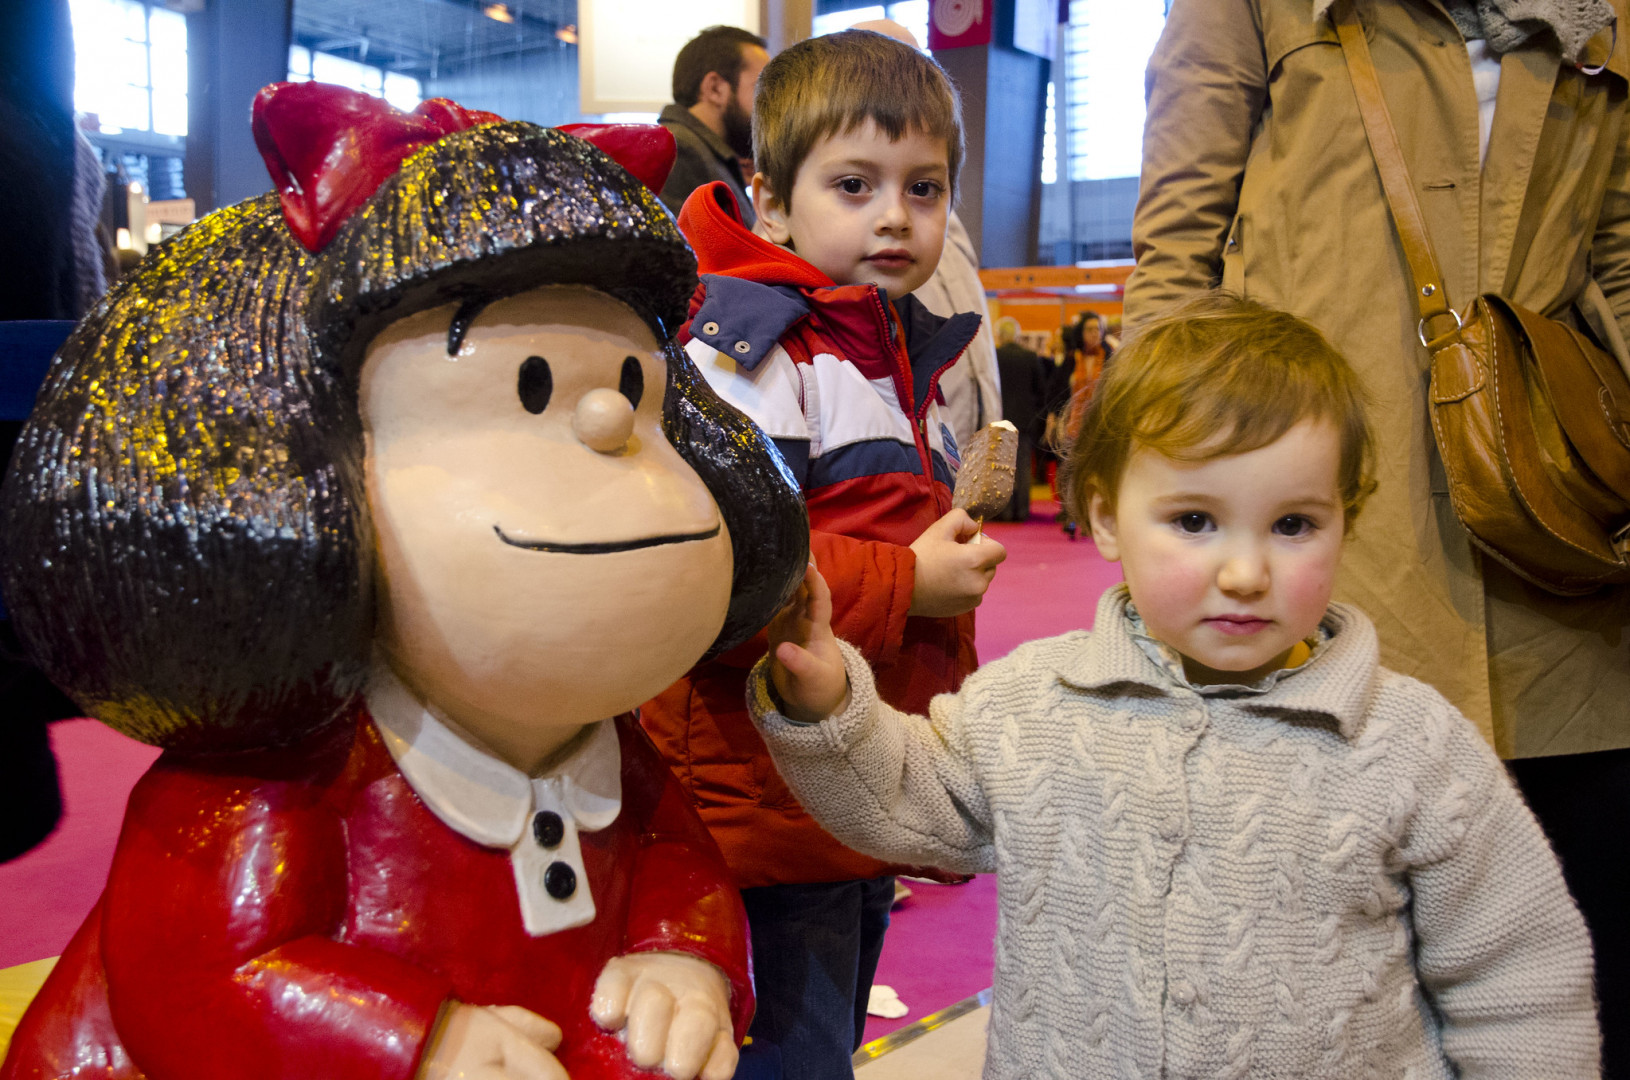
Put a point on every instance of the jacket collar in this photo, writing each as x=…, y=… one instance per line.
x=474, y=793
x=678, y=114
x=713, y=224
x=753, y=292
x=1337, y=682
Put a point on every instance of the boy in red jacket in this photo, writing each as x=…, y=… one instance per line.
x=810, y=328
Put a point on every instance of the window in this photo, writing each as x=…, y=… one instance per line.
x=1049, y=140
x=1107, y=47
x=130, y=65
x=402, y=91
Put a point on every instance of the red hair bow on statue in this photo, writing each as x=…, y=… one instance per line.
x=328, y=148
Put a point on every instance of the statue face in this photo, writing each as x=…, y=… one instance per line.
x=547, y=559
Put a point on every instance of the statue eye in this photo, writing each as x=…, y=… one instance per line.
x=632, y=383
x=535, y=384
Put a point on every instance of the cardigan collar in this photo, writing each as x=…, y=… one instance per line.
x=1337, y=681
x=473, y=792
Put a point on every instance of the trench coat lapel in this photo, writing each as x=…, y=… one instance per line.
x=1527, y=79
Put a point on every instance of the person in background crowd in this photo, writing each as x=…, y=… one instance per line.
x=1093, y=352
x=1257, y=171
x=1024, y=392
x=711, y=117
x=972, y=387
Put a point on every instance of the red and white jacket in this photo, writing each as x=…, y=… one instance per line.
x=846, y=384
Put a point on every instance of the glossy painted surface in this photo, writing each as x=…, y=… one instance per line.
x=303, y=914
x=328, y=148
x=190, y=550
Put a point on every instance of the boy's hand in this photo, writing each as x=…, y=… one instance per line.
x=952, y=574
x=806, y=667
x=676, y=1012
x=493, y=1042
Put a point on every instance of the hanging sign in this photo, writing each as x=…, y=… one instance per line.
x=957, y=24
x=1035, y=27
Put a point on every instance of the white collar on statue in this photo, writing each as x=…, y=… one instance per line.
x=493, y=803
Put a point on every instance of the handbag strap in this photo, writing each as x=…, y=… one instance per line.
x=1431, y=298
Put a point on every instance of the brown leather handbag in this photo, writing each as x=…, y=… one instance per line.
x=1531, y=418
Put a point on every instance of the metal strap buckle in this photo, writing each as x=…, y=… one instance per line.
x=1420, y=327
x=1611, y=45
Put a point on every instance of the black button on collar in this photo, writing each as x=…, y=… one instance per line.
x=560, y=880
x=548, y=829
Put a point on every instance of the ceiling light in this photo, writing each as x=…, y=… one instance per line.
x=498, y=13
x=568, y=34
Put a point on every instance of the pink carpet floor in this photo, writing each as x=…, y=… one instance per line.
x=939, y=948
x=45, y=894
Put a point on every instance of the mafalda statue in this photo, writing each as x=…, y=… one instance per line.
x=378, y=502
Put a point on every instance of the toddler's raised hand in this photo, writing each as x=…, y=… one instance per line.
x=952, y=574
x=806, y=667
x=676, y=1009
x=493, y=1042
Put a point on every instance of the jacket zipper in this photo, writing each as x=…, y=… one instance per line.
x=919, y=415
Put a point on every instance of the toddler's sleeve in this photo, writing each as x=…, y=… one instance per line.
x=1500, y=946
x=898, y=787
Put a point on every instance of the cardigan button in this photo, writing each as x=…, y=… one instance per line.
x=1183, y=992
x=548, y=829
x=710, y=328
x=743, y=348
x=560, y=880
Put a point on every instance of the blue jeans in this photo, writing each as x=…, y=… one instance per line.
x=815, y=950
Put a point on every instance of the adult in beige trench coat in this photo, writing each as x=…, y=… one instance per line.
x=1257, y=175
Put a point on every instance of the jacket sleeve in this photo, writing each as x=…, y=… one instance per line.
x=1610, y=245
x=683, y=898
x=1500, y=947
x=218, y=939
x=900, y=788
x=871, y=583
x=1205, y=89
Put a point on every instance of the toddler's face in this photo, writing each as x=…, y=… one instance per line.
x=1230, y=561
x=867, y=209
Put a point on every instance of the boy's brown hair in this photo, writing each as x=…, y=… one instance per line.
x=828, y=85
x=1218, y=375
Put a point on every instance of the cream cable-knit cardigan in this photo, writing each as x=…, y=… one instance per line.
x=1332, y=878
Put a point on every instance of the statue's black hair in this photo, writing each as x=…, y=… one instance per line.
x=186, y=547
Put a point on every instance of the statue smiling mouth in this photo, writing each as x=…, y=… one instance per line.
x=604, y=547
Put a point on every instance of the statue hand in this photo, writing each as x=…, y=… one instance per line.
x=674, y=1011
x=492, y=1042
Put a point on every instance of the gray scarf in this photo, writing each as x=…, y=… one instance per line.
x=1510, y=24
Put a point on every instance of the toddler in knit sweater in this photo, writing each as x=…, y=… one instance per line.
x=1228, y=843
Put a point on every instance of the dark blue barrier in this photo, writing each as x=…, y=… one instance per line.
x=26, y=349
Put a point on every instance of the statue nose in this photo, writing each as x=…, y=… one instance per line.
x=604, y=420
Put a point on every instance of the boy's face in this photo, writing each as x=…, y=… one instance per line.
x=866, y=209
x=1230, y=561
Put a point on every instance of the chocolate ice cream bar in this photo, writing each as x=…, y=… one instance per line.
x=984, y=484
